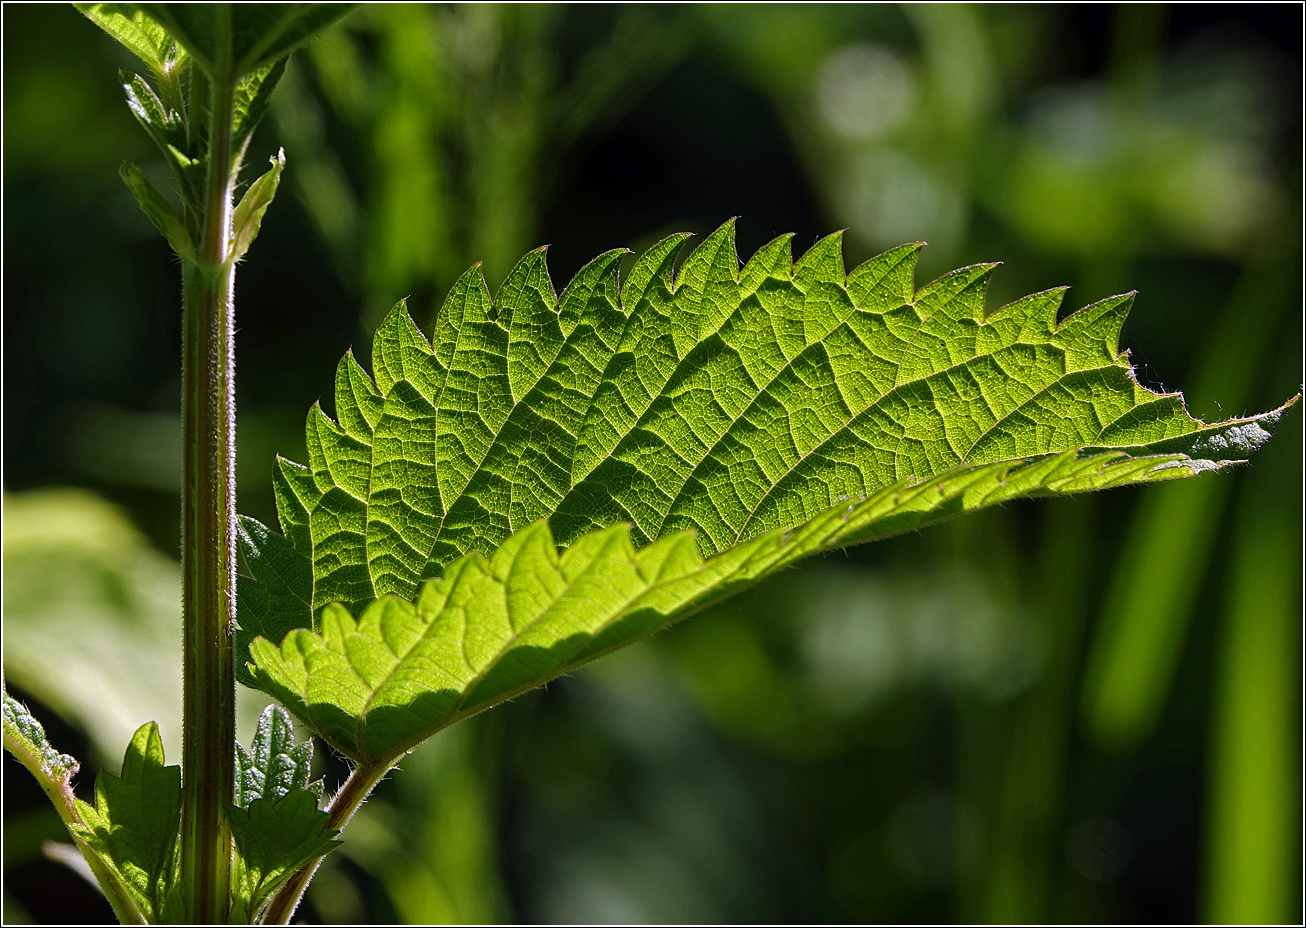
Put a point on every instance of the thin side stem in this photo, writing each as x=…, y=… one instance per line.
x=60, y=792
x=343, y=805
x=208, y=529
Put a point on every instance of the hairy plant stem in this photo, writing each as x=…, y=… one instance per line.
x=362, y=780
x=59, y=790
x=208, y=528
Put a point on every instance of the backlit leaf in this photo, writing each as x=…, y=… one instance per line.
x=749, y=417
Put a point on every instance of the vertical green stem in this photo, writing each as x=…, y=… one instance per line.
x=208, y=528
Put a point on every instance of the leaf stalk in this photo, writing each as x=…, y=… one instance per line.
x=343, y=805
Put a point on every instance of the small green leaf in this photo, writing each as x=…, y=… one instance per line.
x=274, y=839
x=134, y=824
x=274, y=765
x=250, y=101
x=168, y=130
x=25, y=738
x=159, y=210
x=248, y=216
x=141, y=34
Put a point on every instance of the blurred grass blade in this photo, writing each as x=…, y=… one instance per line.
x=1165, y=557
x=1252, y=832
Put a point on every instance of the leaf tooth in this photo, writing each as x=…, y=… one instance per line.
x=885, y=281
x=358, y=401
x=434, y=596
x=597, y=280
x=296, y=494
x=589, y=548
x=400, y=351
x=713, y=260
x=1091, y=336
x=337, y=458
x=336, y=622
x=468, y=302
x=706, y=288
x=654, y=267
x=671, y=556
x=281, y=670
x=821, y=264
x=1033, y=317
x=527, y=565
x=772, y=260
x=958, y=295
x=527, y=306
x=395, y=622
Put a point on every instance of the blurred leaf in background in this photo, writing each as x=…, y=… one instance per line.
x=1075, y=710
x=85, y=599
x=462, y=118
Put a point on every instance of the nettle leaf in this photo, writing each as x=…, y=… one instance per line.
x=247, y=218
x=167, y=127
x=139, y=33
x=25, y=738
x=134, y=824
x=274, y=839
x=243, y=36
x=275, y=764
x=158, y=209
x=275, y=821
x=250, y=101
x=683, y=435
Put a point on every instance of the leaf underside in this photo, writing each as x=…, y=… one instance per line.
x=26, y=739
x=682, y=434
x=274, y=838
x=134, y=824
x=275, y=763
x=243, y=37
x=275, y=821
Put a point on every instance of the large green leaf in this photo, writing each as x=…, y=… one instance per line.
x=755, y=416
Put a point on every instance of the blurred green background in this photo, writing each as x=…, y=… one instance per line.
x=999, y=719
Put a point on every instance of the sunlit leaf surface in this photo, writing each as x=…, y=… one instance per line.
x=683, y=434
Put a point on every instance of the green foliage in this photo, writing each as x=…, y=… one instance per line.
x=135, y=30
x=274, y=839
x=274, y=765
x=85, y=596
x=248, y=215
x=25, y=738
x=243, y=37
x=159, y=211
x=755, y=416
x=275, y=821
x=134, y=823
x=252, y=98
